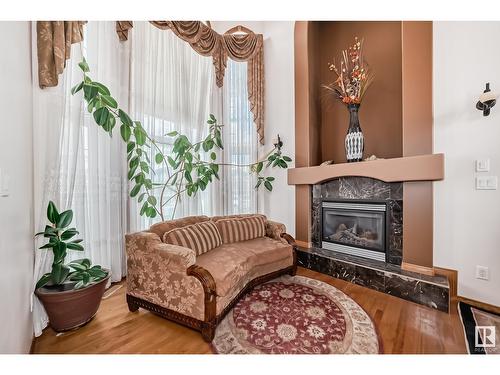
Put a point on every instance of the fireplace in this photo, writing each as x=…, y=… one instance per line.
x=372, y=211
x=355, y=227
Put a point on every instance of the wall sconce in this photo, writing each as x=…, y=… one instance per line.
x=486, y=101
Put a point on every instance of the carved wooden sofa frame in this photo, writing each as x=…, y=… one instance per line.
x=208, y=325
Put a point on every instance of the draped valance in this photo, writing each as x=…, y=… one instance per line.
x=54, y=39
x=239, y=47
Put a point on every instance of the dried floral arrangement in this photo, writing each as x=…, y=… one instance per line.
x=353, y=75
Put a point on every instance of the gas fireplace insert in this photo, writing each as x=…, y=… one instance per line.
x=355, y=227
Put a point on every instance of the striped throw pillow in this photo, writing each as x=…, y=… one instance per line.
x=200, y=237
x=247, y=228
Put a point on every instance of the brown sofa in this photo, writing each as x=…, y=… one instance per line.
x=199, y=290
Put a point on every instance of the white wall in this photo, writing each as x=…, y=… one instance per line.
x=467, y=221
x=16, y=160
x=278, y=205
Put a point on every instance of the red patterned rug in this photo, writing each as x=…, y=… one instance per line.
x=296, y=315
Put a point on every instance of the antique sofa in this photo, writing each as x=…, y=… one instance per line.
x=193, y=270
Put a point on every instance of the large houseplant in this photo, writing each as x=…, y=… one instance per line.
x=191, y=165
x=71, y=293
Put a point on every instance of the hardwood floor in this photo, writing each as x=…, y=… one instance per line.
x=404, y=327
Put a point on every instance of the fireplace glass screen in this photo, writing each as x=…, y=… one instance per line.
x=355, y=225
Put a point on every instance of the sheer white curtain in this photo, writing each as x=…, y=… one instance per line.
x=78, y=165
x=240, y=142
x=173, y=88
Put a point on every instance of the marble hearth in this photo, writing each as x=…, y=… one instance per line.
x=387, y=277
x=431, y=291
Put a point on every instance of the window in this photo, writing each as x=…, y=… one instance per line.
x=173, y=88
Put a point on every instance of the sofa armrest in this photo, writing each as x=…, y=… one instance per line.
x=275, y=230
x=158, y=273
x=289, y=239
x=176, y=256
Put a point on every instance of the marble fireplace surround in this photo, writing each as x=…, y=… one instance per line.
x=363, y=189
x=387, y=277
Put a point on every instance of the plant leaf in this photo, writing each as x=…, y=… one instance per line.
x=126, y=133
x=52, y=213
x=135, y=190
x=109, y=100
x=188, y=177
x=103, y=90
x=130, y=146
x=77, y=266
x=89, y=93
x=125, y=119
x=59, y=273
x=65, y=219
x=76, y=88
x=84, y=66
x=171, y=161
x=159, y=158
x=140, y=137
x=144, y=208
x=67, y=234
x=97, y=273
x=85, y=261
x=268, y=185
x=74, y=246
x=151, y=212
x=43, y=280
x=101, y=115
x=49, y=245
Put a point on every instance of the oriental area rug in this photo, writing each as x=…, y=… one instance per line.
x=296, y=315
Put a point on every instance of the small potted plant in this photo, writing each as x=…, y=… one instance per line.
x=71, y=293
x=353, y=78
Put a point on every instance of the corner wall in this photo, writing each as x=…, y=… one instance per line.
x=467, y=221
x=279, y=112
x=16, y=212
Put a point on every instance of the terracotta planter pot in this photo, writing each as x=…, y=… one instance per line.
x=69, y=309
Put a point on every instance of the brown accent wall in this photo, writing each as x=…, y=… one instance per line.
x=417, y=140
x=307, y=152
x=396, y=116
x=381, y=109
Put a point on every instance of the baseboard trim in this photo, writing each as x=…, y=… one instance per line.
x=452, y=276
x=480, y=305
x=419, y=269
x=303, y=243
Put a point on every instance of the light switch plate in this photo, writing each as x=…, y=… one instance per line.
x=482, y=273
x=483, y=165
x=486, y=183
x=4, y=184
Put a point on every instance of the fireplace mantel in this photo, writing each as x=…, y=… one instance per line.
x=412, y=168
